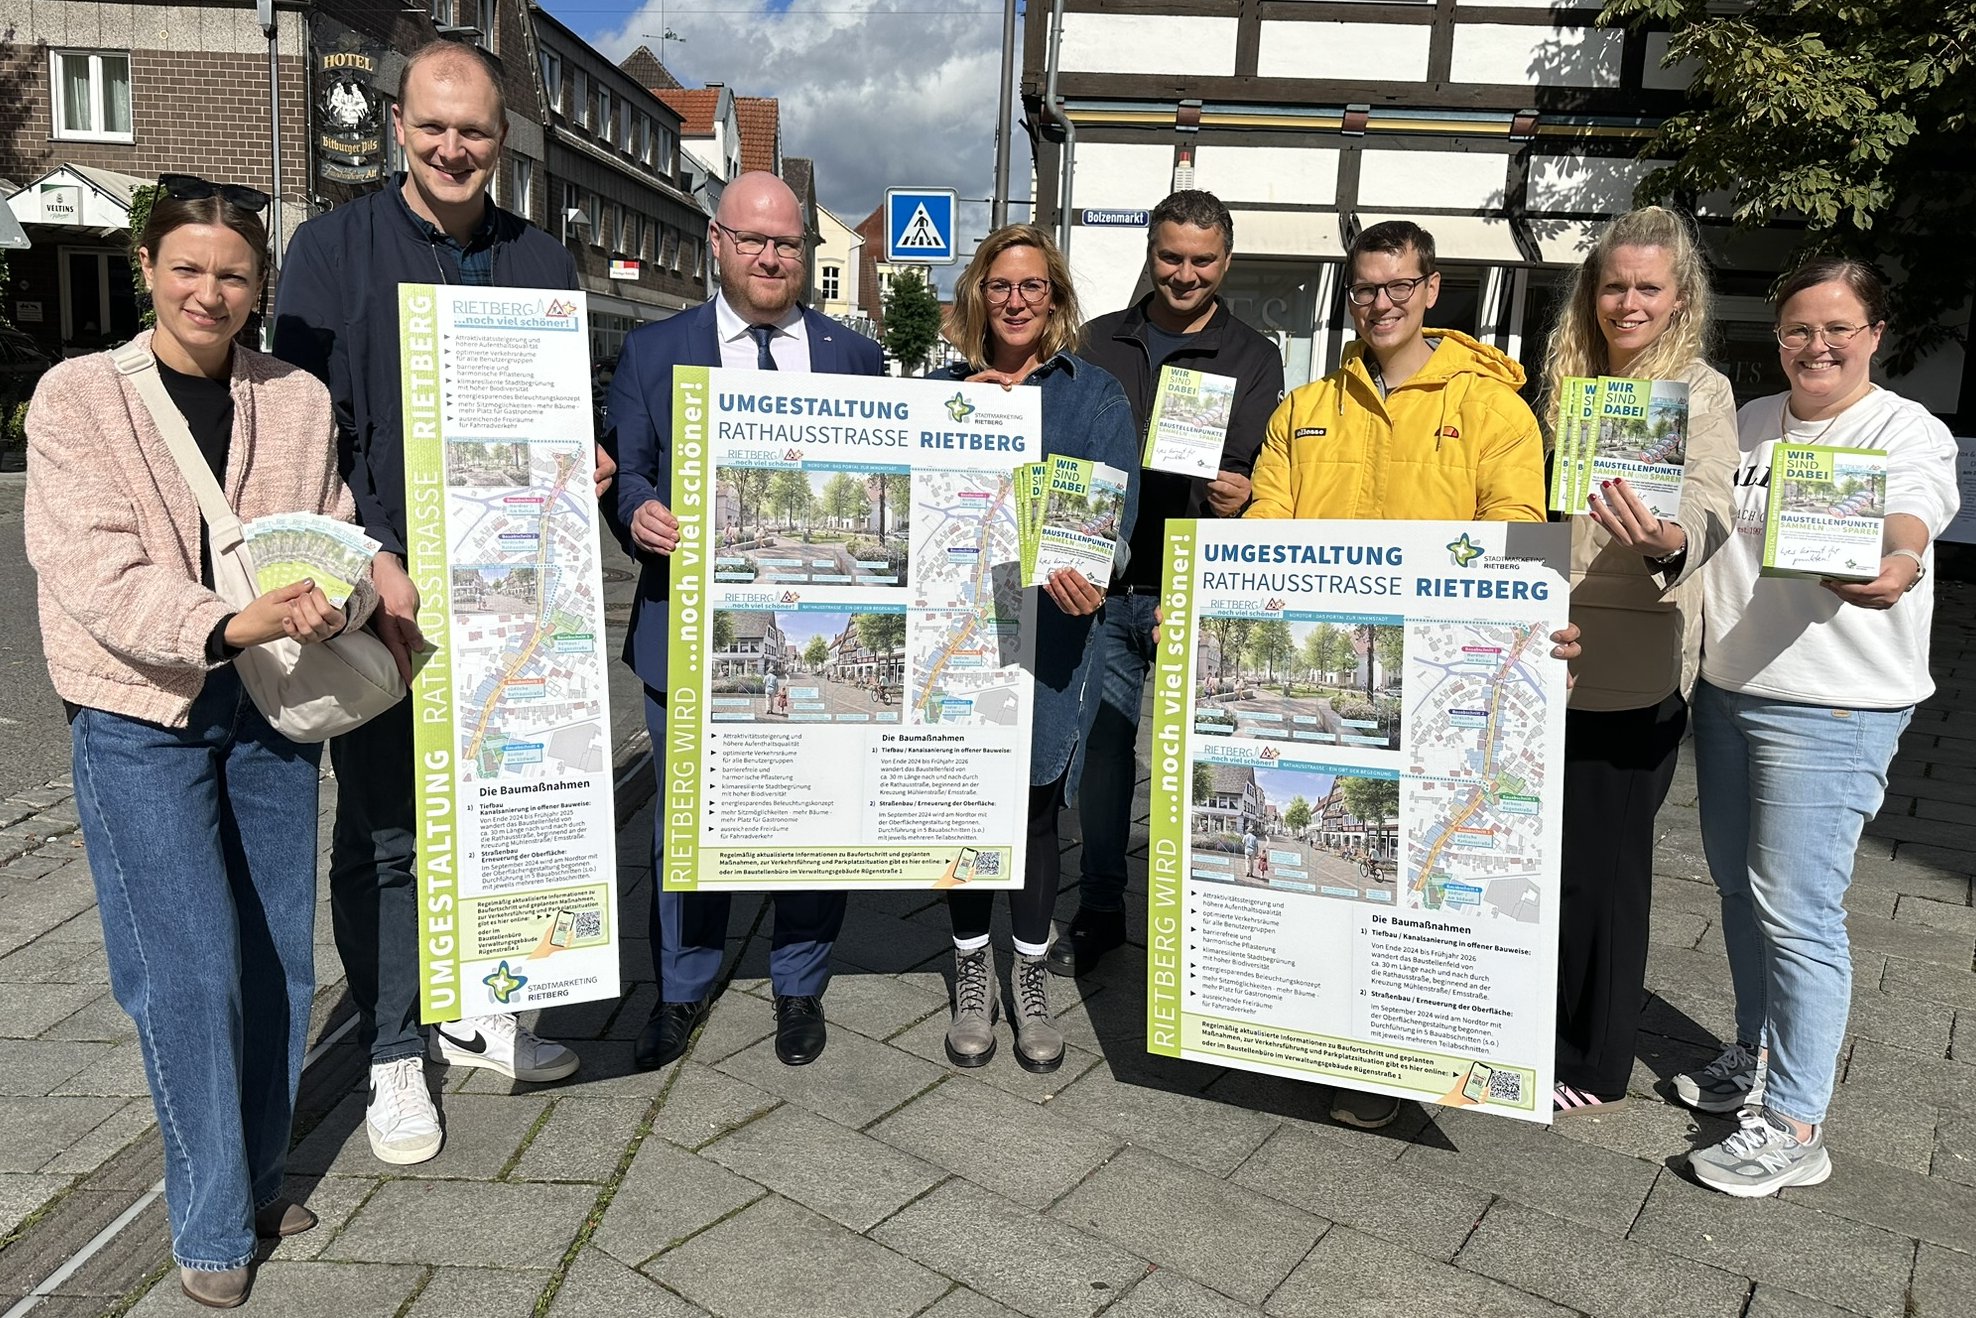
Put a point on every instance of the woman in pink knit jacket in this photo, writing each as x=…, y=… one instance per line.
x=199, y=818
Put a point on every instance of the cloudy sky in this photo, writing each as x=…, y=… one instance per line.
x=880, y=93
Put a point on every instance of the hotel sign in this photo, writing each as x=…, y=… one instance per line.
x=349, y=139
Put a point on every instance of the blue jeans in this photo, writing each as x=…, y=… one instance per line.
x=1124, y=656
x=202, y=844
x=1785, y=791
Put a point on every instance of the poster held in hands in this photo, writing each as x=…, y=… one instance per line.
x=517, y=860
x=1356, y=805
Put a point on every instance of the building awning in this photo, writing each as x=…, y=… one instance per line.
x=662, y=307
x=77, y=197
x=1562, y=242
x=1289, y=233
x=1486, y=240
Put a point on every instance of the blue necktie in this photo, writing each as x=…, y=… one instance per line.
x=761, y=334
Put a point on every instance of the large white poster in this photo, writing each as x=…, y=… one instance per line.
x=516, y=835
x=848, y=701
x=1356, y=805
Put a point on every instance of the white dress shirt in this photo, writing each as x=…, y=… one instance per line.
x=790, y=347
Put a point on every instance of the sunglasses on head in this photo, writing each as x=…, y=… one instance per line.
x=190, y=187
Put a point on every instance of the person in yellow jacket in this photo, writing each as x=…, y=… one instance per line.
x=1418, y=424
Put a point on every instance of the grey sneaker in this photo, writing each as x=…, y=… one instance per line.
x=1038, y=1041
x=1762, y=1157
x=971, y=1038
x=1732, y=1081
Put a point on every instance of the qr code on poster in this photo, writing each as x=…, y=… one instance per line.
x=1506, y=1087
x=587, y=925
x=988, y=865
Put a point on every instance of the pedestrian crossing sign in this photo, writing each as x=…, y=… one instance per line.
x=919, y=226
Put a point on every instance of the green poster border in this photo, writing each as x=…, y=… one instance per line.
x=689, y=634
x=1166, y=852
x=427, y=560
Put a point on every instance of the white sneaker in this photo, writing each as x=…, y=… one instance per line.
x=400, y=1119
x=502, y=1043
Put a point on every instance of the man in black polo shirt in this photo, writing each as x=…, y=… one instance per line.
x=1183, y=321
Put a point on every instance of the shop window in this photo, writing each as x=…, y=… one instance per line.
x=91, y=95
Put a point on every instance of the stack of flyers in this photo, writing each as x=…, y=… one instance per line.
x=1189, y=423
x=1826, y=512
x=291, y=547
x=1068, y=511
x=1613, y=428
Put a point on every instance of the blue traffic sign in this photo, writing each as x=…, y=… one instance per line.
x=919, y=226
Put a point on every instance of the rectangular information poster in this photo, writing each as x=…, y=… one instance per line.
x=848, y=692
x=1356, y=801
x=517, y=864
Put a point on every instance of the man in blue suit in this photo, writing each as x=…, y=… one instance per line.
x=754, y=323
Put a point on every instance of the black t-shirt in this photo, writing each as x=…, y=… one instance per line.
x=1162, y=344
x=207, y=406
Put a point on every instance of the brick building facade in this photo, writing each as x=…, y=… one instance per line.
x=111, y=95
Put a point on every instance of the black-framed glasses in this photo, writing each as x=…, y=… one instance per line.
x=751, y=244
x=190, y=187
x=1033, y=291
x=1398, y=291
x=1795, y=337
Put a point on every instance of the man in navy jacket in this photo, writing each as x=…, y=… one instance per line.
x=336, y=316
x=755, y=323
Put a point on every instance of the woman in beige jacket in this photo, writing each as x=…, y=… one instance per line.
x=1638, y=307
x=199, y=818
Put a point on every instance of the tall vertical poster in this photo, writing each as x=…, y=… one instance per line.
x=848, y=699
x=1356, y=805
x=517, y=864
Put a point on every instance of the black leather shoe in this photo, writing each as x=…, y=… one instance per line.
x=1084, y=944
x=799, y=1030
x=667, y=1033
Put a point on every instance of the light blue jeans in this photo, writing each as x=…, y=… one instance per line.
x=1785, y=791
x=202, y=844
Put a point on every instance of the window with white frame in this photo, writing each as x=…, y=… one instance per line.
x=627, y=128
x=91, y=94
x=617, y=228
x=669, y=247
x=645, y=138
x=667, y=148
x=523, y=201
x=572, y=202
x=552, y=80
x=599, y=226
x=829, y=280
x=582, y=99
x=605, y=125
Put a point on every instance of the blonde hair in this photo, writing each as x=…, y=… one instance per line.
x=1577, y=346
x=966, y=322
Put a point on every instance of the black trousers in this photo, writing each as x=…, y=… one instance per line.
x=1031, y=905
x=1617, y=769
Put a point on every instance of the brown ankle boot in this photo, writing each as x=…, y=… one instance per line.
x=282, y=1219
x=216, y=1290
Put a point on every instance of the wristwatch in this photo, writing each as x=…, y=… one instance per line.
x=1920, y=564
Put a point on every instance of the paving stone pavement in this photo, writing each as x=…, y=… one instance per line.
x=880, y=1181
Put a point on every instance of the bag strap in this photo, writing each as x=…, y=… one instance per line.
x=136, y=363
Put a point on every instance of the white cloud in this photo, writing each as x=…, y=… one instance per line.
x=880, y=93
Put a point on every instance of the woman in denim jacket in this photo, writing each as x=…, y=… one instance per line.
x=1015, y=318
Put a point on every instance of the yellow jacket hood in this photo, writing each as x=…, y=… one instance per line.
x=1453, y=442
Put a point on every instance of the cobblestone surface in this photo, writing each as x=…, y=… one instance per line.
x=880, y=1181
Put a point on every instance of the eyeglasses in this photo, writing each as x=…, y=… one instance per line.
x=190, y=187
x=1795, y=337
x=1001, y=290
x=751, y=244
x=1398, y=291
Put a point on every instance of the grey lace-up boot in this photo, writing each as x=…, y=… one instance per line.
x=1038, y=1041
x=971, y=1038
